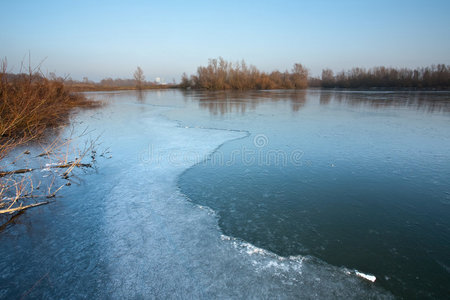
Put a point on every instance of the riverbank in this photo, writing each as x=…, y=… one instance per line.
x=32, y=110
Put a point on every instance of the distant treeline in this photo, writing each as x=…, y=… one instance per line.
x=113, y=84
x=220, y=74
x=138, y=82
x=223, y=75
x=434, y=77
x=106, y=84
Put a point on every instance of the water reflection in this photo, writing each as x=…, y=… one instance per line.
x=425, y=101
x=370, y=192
x=12, y=221
x=325, y=98
x=139, y=95
x=225, y=102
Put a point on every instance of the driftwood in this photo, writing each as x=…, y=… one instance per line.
x=20, y=171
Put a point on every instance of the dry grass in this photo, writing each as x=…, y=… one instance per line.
x=30, y=104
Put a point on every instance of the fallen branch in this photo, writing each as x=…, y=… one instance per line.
x=19, y=171
x=21, y=208
x=67, y=165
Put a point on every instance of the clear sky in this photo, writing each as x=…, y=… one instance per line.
x=101, y=39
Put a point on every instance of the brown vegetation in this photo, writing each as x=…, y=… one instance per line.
x=223, y=75
x=30, y=104
x=220, y=74
x=18, y=188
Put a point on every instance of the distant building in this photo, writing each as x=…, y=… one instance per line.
x=160, y=81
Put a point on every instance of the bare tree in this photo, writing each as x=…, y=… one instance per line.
x=139, y=77
x=185, y=81
x=223, y=75
x=300, y=76
x=328, y=79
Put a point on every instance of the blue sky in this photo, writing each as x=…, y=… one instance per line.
x=101, y=39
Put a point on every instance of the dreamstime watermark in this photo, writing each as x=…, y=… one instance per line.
x=258, y=153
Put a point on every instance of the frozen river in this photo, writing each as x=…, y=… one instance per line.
x=247, y=195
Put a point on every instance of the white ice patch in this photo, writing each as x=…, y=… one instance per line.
x=49, y=166
x=366, y=276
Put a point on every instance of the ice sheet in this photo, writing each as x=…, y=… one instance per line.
x=162, y=245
